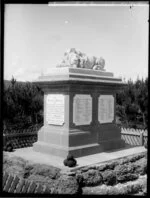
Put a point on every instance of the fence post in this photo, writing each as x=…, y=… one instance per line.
x=141, y=139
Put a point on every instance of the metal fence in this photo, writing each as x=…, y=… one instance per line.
x=26, y=137
x=21, y=138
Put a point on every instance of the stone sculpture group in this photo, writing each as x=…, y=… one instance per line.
x=77, y=59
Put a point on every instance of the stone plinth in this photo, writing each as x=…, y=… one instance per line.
x=79, y=112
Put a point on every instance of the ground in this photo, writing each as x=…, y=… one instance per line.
x=123, y=176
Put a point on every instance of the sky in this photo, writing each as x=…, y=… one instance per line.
x=37, y=35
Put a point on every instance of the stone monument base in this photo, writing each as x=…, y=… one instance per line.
x=56, y=142
x=79, y=112
x=77, y=151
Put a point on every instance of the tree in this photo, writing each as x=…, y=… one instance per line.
x=132, y=104
x=142, y=100
x=23, y=104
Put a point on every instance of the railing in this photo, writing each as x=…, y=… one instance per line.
x=21, y=138
x=26, y=137
x=135, y=137
x=14, y=184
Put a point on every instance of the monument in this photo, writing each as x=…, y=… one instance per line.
x=79, y=108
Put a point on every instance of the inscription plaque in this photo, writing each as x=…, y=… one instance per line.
x=55, y=109
x=106, y=108
x=82, y=109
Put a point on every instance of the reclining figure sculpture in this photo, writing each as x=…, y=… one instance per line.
x=77, y=59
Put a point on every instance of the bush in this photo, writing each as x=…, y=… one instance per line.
x=70, y=161
x=112, y=165
x=42, y=180
x=136, y=157
x=125, y=173
x=109, y=177
x=14, y=165
x=67, y=185
x=44, y=170
x=102, y=167
x=141, y=166
x=79, y=178
x=70, y=157
x=131, y=158
x=130, y=188
x=92, y=178
x=8, y=147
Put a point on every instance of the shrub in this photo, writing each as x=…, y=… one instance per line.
x=124, y=168
x=144, y=190
x=27, y=171
x=92, y=178
x=8, y=147
x=65, y=162
x=42, y=180
x=112, y=165
x=102, y=167
x=141, y=166
x=109, y=177
x=67, y=185
x=79, y=178
x=14, y=165
x=130, y=188
x=70, y=161
x=136, y=157
x=44, y=170
x=70, y=157
x=125, y=173
x=132, y=158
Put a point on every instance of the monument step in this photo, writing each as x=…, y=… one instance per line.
x=84, y=150
x=67, y=148
x=76, y=151
x=76, y=131
x=83, y=146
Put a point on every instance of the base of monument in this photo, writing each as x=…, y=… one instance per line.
x=61, y=151
x=51, y=149
x=77, y=151
x=112, y=144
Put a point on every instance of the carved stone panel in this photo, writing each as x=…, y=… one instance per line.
x=55, y=109
x=105, y=108
x=82, y=109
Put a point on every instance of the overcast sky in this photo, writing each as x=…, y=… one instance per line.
x=36, y=37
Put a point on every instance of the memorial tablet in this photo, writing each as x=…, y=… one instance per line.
x=106, y=108
x=55, y=109
x=82, y=109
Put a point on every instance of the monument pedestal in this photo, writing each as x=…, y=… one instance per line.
x=79, y=112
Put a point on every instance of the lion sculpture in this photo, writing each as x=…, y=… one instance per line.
x=77, y=59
